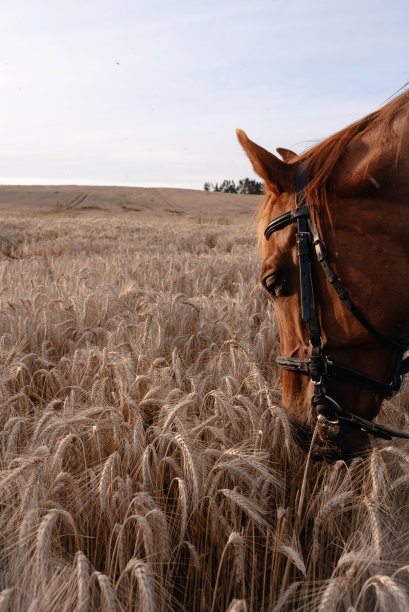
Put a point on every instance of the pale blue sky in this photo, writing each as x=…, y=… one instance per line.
x=149, y=92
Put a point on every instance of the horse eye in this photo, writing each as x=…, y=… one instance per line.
x=271, y=283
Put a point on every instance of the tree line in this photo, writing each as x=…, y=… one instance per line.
x=248, y=186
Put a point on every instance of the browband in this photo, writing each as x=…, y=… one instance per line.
x=287, y=218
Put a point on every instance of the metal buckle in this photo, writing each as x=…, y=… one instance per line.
x=302, y=235
x=320, y=250
x=303, y=243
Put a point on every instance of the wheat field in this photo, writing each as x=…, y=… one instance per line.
x=146, y=463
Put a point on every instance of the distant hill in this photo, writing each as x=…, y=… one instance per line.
x=80, y=200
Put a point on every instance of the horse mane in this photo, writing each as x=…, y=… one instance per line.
x=323, y=157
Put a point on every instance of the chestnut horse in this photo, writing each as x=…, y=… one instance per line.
x=343, y=342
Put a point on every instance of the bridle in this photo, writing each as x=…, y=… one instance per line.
x=318, y=366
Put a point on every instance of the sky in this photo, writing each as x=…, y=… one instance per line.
x=150, y=92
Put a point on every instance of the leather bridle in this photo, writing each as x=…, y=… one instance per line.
x=318, y=366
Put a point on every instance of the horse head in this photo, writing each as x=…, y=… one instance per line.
x=334, y=235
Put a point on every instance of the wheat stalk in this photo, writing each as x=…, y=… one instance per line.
x=237, y=605
x=294, y=556
x=330, y=597
x=5, y=596
x=108, y=598
x=83, y=578
x=143, y=575
x=236, y=540
x=107, y=474
x=287, y=595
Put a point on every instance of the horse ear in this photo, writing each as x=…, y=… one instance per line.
x=277, y=174
x=286, y=154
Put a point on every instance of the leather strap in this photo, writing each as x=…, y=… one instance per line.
x=307, y=367
x=285, y=219
x=375, y=429
x=303, y=246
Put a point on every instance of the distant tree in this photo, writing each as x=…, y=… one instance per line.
x=228, y=187
x=250, y=186
x=247, y=186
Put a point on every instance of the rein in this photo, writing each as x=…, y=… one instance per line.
x=318, y=366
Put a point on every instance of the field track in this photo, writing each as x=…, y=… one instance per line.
x=146, y=463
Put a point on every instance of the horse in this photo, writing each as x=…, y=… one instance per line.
x=336, y=266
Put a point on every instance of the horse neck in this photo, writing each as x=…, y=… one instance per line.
x=369, y=247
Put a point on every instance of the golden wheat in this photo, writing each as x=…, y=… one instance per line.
x=146, y=461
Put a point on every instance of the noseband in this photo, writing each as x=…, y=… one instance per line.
x=318, y=366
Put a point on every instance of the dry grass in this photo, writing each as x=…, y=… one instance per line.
x=146, y=463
